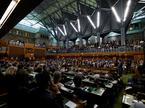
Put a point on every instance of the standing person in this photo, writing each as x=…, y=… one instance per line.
x=141, y=67
x=120, y=67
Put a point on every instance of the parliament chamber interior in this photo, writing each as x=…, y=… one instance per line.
x=72, y=53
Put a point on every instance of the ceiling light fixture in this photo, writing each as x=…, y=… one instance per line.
x=8, y=11
x=127, y=10
x=116, y=14
x=98, y=19
x=73, y=26
x=65, y=33
x=79, y=26
x=61, y=31
x=91, y=22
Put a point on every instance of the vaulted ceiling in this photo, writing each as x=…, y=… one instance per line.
x=55, y=13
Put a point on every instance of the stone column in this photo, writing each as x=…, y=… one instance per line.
x=98, y=38
x=87, y=42
x=123, y=36
x=67, y=43
x=81, y=42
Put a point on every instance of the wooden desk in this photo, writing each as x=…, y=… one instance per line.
x=97, y=91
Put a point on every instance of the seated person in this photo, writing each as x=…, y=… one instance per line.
x=78, y=83
x=46, y=94
x=77, y=80
x=79, y=93
x=136, y=83
x=141, y=69
x=20, y=96
x=57, y=79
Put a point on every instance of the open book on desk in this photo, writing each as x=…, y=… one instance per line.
x=71, y=104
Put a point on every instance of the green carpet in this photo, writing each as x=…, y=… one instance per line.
x=125, y=77
x=118, y=101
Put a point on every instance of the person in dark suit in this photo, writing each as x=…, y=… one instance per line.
x=21, y=93
x=42, y=96
x=81, y=94
x=141, y=67
x=10, y=84
x=78, y=83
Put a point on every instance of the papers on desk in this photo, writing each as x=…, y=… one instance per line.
x=66, y=89
x=33, y=74
x=114, y=82
x=70, y=77
x=73, y=85
x=99, y=91
x=109, y=85
x=96, y=91
x=128, y=99
x=88, y=81
x=71, y=104
x=128, y=87
x=70, y=72
x=70, y=84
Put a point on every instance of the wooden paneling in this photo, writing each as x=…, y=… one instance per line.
x=28, y=45
x=16, y=51
x=114, y=55
x=3, y=42
x=39, y=52
x=98, y=54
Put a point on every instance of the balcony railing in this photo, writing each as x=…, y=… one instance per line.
x=109, y=49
